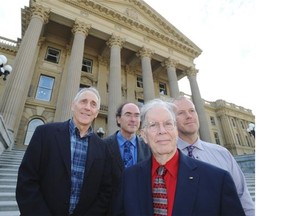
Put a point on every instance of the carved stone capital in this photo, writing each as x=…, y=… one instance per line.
x=115, y=41
x=145, y=52
x=190, y=72
x=169, y=63
x=40, y=11
x=81, y=27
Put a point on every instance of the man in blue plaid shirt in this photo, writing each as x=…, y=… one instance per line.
x=66, y=169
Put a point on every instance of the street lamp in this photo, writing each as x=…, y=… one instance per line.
x=5, y=70
x=251, y=129
x=100, y=132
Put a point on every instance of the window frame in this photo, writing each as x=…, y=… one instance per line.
x=44, y=88
x=139, y=80
x=162, y=89
x=88, y=67
x=51, y=57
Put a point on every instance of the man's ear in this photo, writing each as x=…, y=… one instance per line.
x=117, y=120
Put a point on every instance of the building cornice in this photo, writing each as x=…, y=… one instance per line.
x=178, y=41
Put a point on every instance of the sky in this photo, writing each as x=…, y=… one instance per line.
x=243, y=61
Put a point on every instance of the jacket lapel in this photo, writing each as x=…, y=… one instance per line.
x=63, y=141
x=115, y=152
x=140, y=149
x=186, y=189
x=92, y=152
x=144, y=178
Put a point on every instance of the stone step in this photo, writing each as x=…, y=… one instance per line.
x=8, y=171
x=9, y=165
x=8, y=188
x=8, y=206
x=8, y=175
x=7, y=196
x=9, y=213
x=6, y=181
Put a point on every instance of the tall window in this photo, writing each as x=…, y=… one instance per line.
x=31, y=128
x=52, y=55
x=233, y=122
x=141, y=101
x=247, y=141
x=242, y=125
x=87, y=65
x=212, y=120
x=83, y=86
x=44, y=89
x=238, y=139
x=139, y=82
x=163, y=88
x=217, y=139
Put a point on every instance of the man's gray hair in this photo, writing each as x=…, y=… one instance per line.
x=156, y=103
x=91, y=89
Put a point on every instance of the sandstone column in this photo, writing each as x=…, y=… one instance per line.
x=170, y=65
x=199, y=106
x=148, y=84
x=114, y=84
x=19, y=81
x=80, y=31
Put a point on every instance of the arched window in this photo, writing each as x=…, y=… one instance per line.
x=31, y=128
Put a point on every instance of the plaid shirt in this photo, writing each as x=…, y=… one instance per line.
x=79, y=146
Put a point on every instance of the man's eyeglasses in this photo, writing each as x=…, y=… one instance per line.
x=168, y=125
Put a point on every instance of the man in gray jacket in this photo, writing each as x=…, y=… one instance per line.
x=125, y=146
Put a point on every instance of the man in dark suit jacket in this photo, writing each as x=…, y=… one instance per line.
x=66, y=168
x=191, y=187
x=128, y=119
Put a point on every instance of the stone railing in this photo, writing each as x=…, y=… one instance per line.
x=9, y=44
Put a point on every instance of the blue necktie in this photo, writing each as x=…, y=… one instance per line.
x=190, y=149
x=127, y=155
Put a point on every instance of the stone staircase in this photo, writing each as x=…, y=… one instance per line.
x=250, y=180
x=10, y=161
x=247, y=164
x=9, y=164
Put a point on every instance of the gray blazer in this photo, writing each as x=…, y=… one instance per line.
x=143, y=152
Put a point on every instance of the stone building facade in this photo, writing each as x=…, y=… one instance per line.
x=124, y=48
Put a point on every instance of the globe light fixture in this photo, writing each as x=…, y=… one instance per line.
x=251, y=129
x=5, y=69
x=100, y=132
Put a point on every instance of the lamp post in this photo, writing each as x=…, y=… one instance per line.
x=5, y=70
x=251, y=129
x=100, y=132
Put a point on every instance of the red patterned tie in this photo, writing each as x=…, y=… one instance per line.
x=160, y=203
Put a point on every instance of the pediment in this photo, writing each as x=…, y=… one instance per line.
x=139, y=14
x=130, y=9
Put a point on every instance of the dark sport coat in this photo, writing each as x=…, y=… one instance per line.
x=202, y=190
x=143, y=152
x=44, y=177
